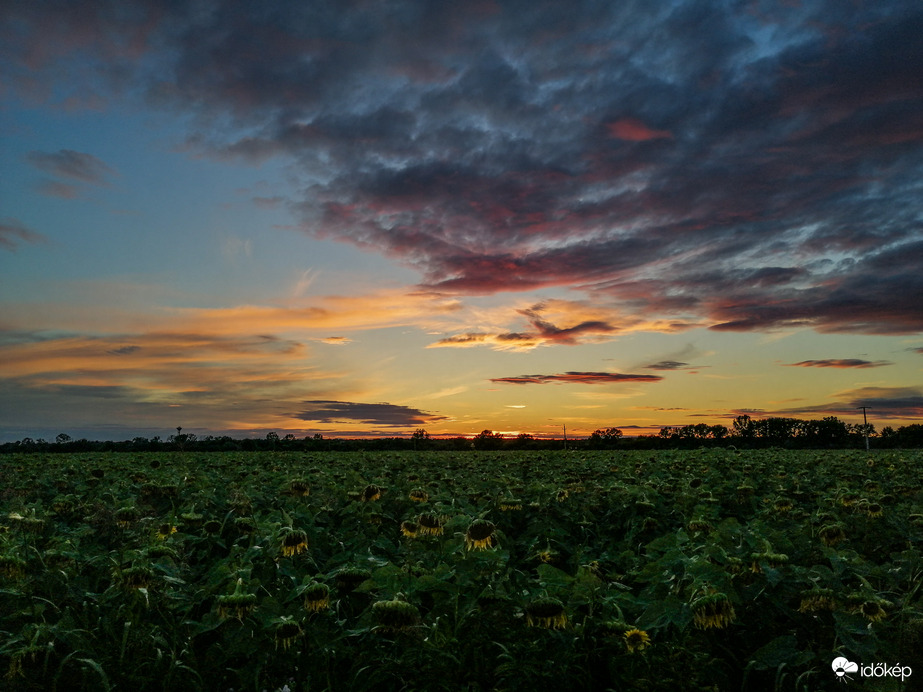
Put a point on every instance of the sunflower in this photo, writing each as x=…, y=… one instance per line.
x=636, y=640
x=480, y=535
x=430, y=525
x=782, y=505
x=831, y=534
x=237, y=604
x=370, y=493
x=136, y=577
x=816, y=600
x=348, y=578
x=316, y=597
x=546, y=612
x=774, y=560
x=212, y=526
x=410, y=529
x=12, y=567
x=164, y=531
x=294, y=543
x=699, y=526
x=300, y=488
x=561, y=495
x=874, y=510
x=873, y=609
x=287, y=631
x=419, y=495
x=510, y=505
x=396, y=615
x=713, y=610
x=125, y=517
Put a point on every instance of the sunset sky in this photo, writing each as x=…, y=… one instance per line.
x=368, y=217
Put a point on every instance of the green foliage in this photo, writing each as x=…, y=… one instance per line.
x=179, y=570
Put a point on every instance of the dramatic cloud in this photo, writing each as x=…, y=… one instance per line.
x=895, y=403
x=579, y=377
x=321, y=411
x=666, y=365
x=75, y=165
x=12, y=232
x=750, y=167
x=840, y=363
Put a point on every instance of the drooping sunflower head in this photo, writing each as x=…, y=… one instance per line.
x=419, y=495
x=294, y=543
x=316, y=597
x=164, y=531
x=212, y=526
x=410, y=529
x=430, y=525
x=125, y=517
x=872, y=609
x=510, y=505
x=287, y=632
x=396, y=615
x=371, y=493
x=237, y=604
x=774, y=560
x=480, y=535
x=136, y=577
x=831, y=534
x=699, y=525
x=300, y=488
x=546, y=612
x=348, y=578
x=874, y=510
x=636, y=640
x=816, y=600
x=713, y=610
x=12, y=567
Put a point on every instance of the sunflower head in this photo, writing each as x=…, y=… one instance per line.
x=874, y=510
x=410, y=529
x=300, y=488
x=480, y=535
x=136, y=577
x=212, y=526
x=12, y=567
x=430, y=525
x=316, y=597
x=636, y=640
x=294, y=543
x=237, y=604
x=510, y=505
x=546, y=612
x=164, y=531
x=396, y=615
x=125, y=517
x=816, y=600
x=831, y=534
x=418, y=495
x=713, y=610
x=348, y=578
x=287, y=631
x=370, y=493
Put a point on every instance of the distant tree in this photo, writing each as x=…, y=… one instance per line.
x=487, y=439
x=62, y=438
x=608, y=437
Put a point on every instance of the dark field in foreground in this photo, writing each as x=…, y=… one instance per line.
x=694, y=569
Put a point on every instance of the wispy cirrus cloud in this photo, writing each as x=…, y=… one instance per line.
x=579, y=378
x=840, y=363
x=13, y=232
x=76, y=165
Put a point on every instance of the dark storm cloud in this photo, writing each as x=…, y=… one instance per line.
x=579, y=377
x=882, y=402
x=840, y=363
x=750, y=166
x=322, y=411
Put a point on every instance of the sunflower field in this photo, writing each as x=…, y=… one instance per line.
x=711, y=569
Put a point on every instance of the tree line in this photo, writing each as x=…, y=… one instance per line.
x=745, y=432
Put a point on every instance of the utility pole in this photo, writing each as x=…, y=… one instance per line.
x=565, y=436
x=865, y=427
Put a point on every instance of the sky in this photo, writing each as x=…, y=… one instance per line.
x=361, y=218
